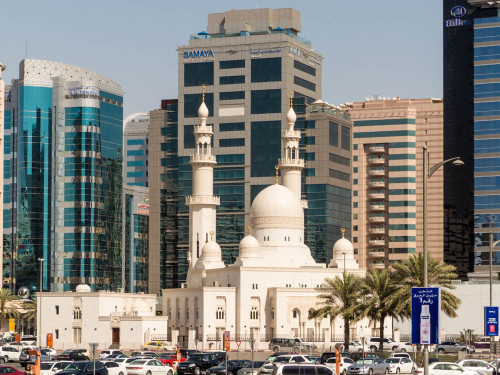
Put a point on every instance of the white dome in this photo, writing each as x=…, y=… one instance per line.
x=83, y=288
x=203, y=111
x=249, y=242
x=343, y=246
x=277, y=206
x=211, y=249
x=291, y=116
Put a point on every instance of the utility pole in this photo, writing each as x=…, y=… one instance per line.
x=40, y=303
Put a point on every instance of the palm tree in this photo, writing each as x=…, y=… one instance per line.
x=340, y=297
x=30, y=311
x=380, y=301
x=409, y=273
x=7, y=309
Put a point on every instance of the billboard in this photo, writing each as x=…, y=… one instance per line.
x=425, y=311
x=491, y=321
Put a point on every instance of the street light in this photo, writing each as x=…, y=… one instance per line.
x=344, y=260
x=427, y=172
x=40, y=303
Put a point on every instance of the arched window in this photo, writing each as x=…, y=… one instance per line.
x=272, y=313
x=219, y=314
x=254, y=313
x=295, y=314
x=77, y=313
x=187, y=314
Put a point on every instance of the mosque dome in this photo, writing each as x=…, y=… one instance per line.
x=343, y=246
x=83, y=288
x=277, y=206
x=211, y=249
x=203, y=111
x=249, y=245
x=291, y=116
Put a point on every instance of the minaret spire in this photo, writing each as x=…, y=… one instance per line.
x=290, y=164
x=202, y=203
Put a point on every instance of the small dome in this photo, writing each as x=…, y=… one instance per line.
x=249, y=242
x=291, y=116
x=203, y=111
x=83, y=288
x=211, y=249
x=343, y=246
x=277, y=201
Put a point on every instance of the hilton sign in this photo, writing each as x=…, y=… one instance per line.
x=457, y=12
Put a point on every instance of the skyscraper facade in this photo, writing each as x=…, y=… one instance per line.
x=135, y=143
x=389, y=136
x=2, y=168
x=64, y=198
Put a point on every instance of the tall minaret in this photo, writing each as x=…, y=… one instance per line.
x=290, y=164
x=202, y=204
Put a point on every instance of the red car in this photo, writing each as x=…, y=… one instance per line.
x=169, y=358
x=10, y=370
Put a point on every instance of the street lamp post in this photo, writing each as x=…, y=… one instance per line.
x=427, y=172
x=344, y=260
x=40, y=303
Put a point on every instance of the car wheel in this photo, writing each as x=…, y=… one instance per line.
x=230, y=373
x=344, y=372
x=386, y=371
x=373, y=348
x=2, y=361
x=403, y=350
x=120, y=373
x=276, y=348
x=197, y=371
x=370, y=371
x=394, y=348
x=170, y=372
x=148, y=373
x=398, y=370
x=441, y=351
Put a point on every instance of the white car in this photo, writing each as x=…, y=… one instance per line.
x=446, y=368
x=124, y=362
x=291, y=358
x=114, y=368
x=105, y=353
x=408, y=347
x=51, y=351
x=343, y=365
x=9, y=353
x=398, y=365
x=51, y=368
x=149, y=367
x=482, y=367
x=373, y=344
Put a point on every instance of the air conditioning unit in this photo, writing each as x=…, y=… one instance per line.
x=184, y=285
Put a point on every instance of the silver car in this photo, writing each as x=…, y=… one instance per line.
x=370, y=366
x=454, y=347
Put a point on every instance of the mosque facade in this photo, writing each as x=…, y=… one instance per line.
x=271, y=287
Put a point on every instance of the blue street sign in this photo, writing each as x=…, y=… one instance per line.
x=425, y=312
x=491, y=321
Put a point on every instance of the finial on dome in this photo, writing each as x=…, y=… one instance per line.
x=291, y=98
x=343, y=231
x=211, y=235
x=249, y=230
x=203, y=93
x=277, y=167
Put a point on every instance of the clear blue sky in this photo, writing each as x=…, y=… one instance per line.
x=386, y=47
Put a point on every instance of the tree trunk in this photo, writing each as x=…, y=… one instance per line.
x=346, y=334
x=381, y=345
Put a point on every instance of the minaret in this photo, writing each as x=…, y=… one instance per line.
x=202, y=204
x=290, y=164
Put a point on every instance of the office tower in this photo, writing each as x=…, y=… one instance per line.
x=135, y=239
x=2, y=171
x=388, y=138
x=135, y=144
x=65, y=193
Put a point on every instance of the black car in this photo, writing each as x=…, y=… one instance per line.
x=196, y=363
x=73, y=355
x=220, y=355
x=187, y=352
x=84, y=368
x=232, y=367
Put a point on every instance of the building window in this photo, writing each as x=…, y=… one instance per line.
x=340, y=160
x=304, y=83
x=231, y=80
x=310, y=140
x=189, y=141
x=310, y=172
x=265, y=141
x=346, y=138
x=333, y=134
x=231, y=95
x=339, y=175
x=232, y=142
x=304, y=68
x=255, y=286
x=310, y=156
x=266, y=70
x=272, y=313
x=294, y=314
x=57, y=334
x=77, y=313
x=196, y=74
x=254, y=313
x=265, y=101
x=192, y=103
x=220, y=313
x=57, y=309
x=231, y=126
x=231, y=64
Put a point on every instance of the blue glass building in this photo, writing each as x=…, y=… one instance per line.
x=63, y=199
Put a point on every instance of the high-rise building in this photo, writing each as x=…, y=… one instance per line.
x=135, y=149
x=471, y=131
x=64, y=198
x=389, y=136
x=2, y=171
x=248, y=61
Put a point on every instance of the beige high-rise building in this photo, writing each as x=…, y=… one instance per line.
x=2, y=109
x=388, y=140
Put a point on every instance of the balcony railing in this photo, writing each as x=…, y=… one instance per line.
x=377, y=161
x=377, y=219
x=377, y=172
x=377, y=207
x=377, y=242
x=377, y=184
x=377, y=149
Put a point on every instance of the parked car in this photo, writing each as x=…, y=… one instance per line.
x=84, y=368
x=291, y=358
x=368, y=355
x=482, y=343
x=51, y=368
x=482, y=367
x=343, y=365
x=124, y=362
x=114, y=368
x=112, y=357
x=267, y=368
x=275, y=355
x=313, y=359
x=187, y=352
x=149, y=367
x=252, y=369
x=157, y=346
x=25, y=357
x=445, y=368
x=296, y=343
x=9, y=353
x=327, y=355
x=373, y=344
x=170, y=358
x=303, y=368
x=371, y=366
x=72, y=356
x=140, y=353
x=454, y=347
x=232, y=367
x=398, y=365
x=221, y=355
x=106, y=353
x=10, y=370
x=400, y=355
x=197, y=363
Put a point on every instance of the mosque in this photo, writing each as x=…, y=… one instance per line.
x=270, y=289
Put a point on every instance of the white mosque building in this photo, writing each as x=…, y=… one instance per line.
x=270, y=289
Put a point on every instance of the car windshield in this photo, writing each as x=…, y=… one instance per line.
x=229, y=363
x=197, y=357
x=46, y=366
x=166, y=355
x=366, y=361
x=66, y=352
x=120, y=359
x=76, y=366
x=271, y=358
x=257, y=364
x=138, y=362
x=392, y=360
x=282, y=359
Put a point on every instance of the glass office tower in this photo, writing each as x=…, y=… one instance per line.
x=65, y=189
